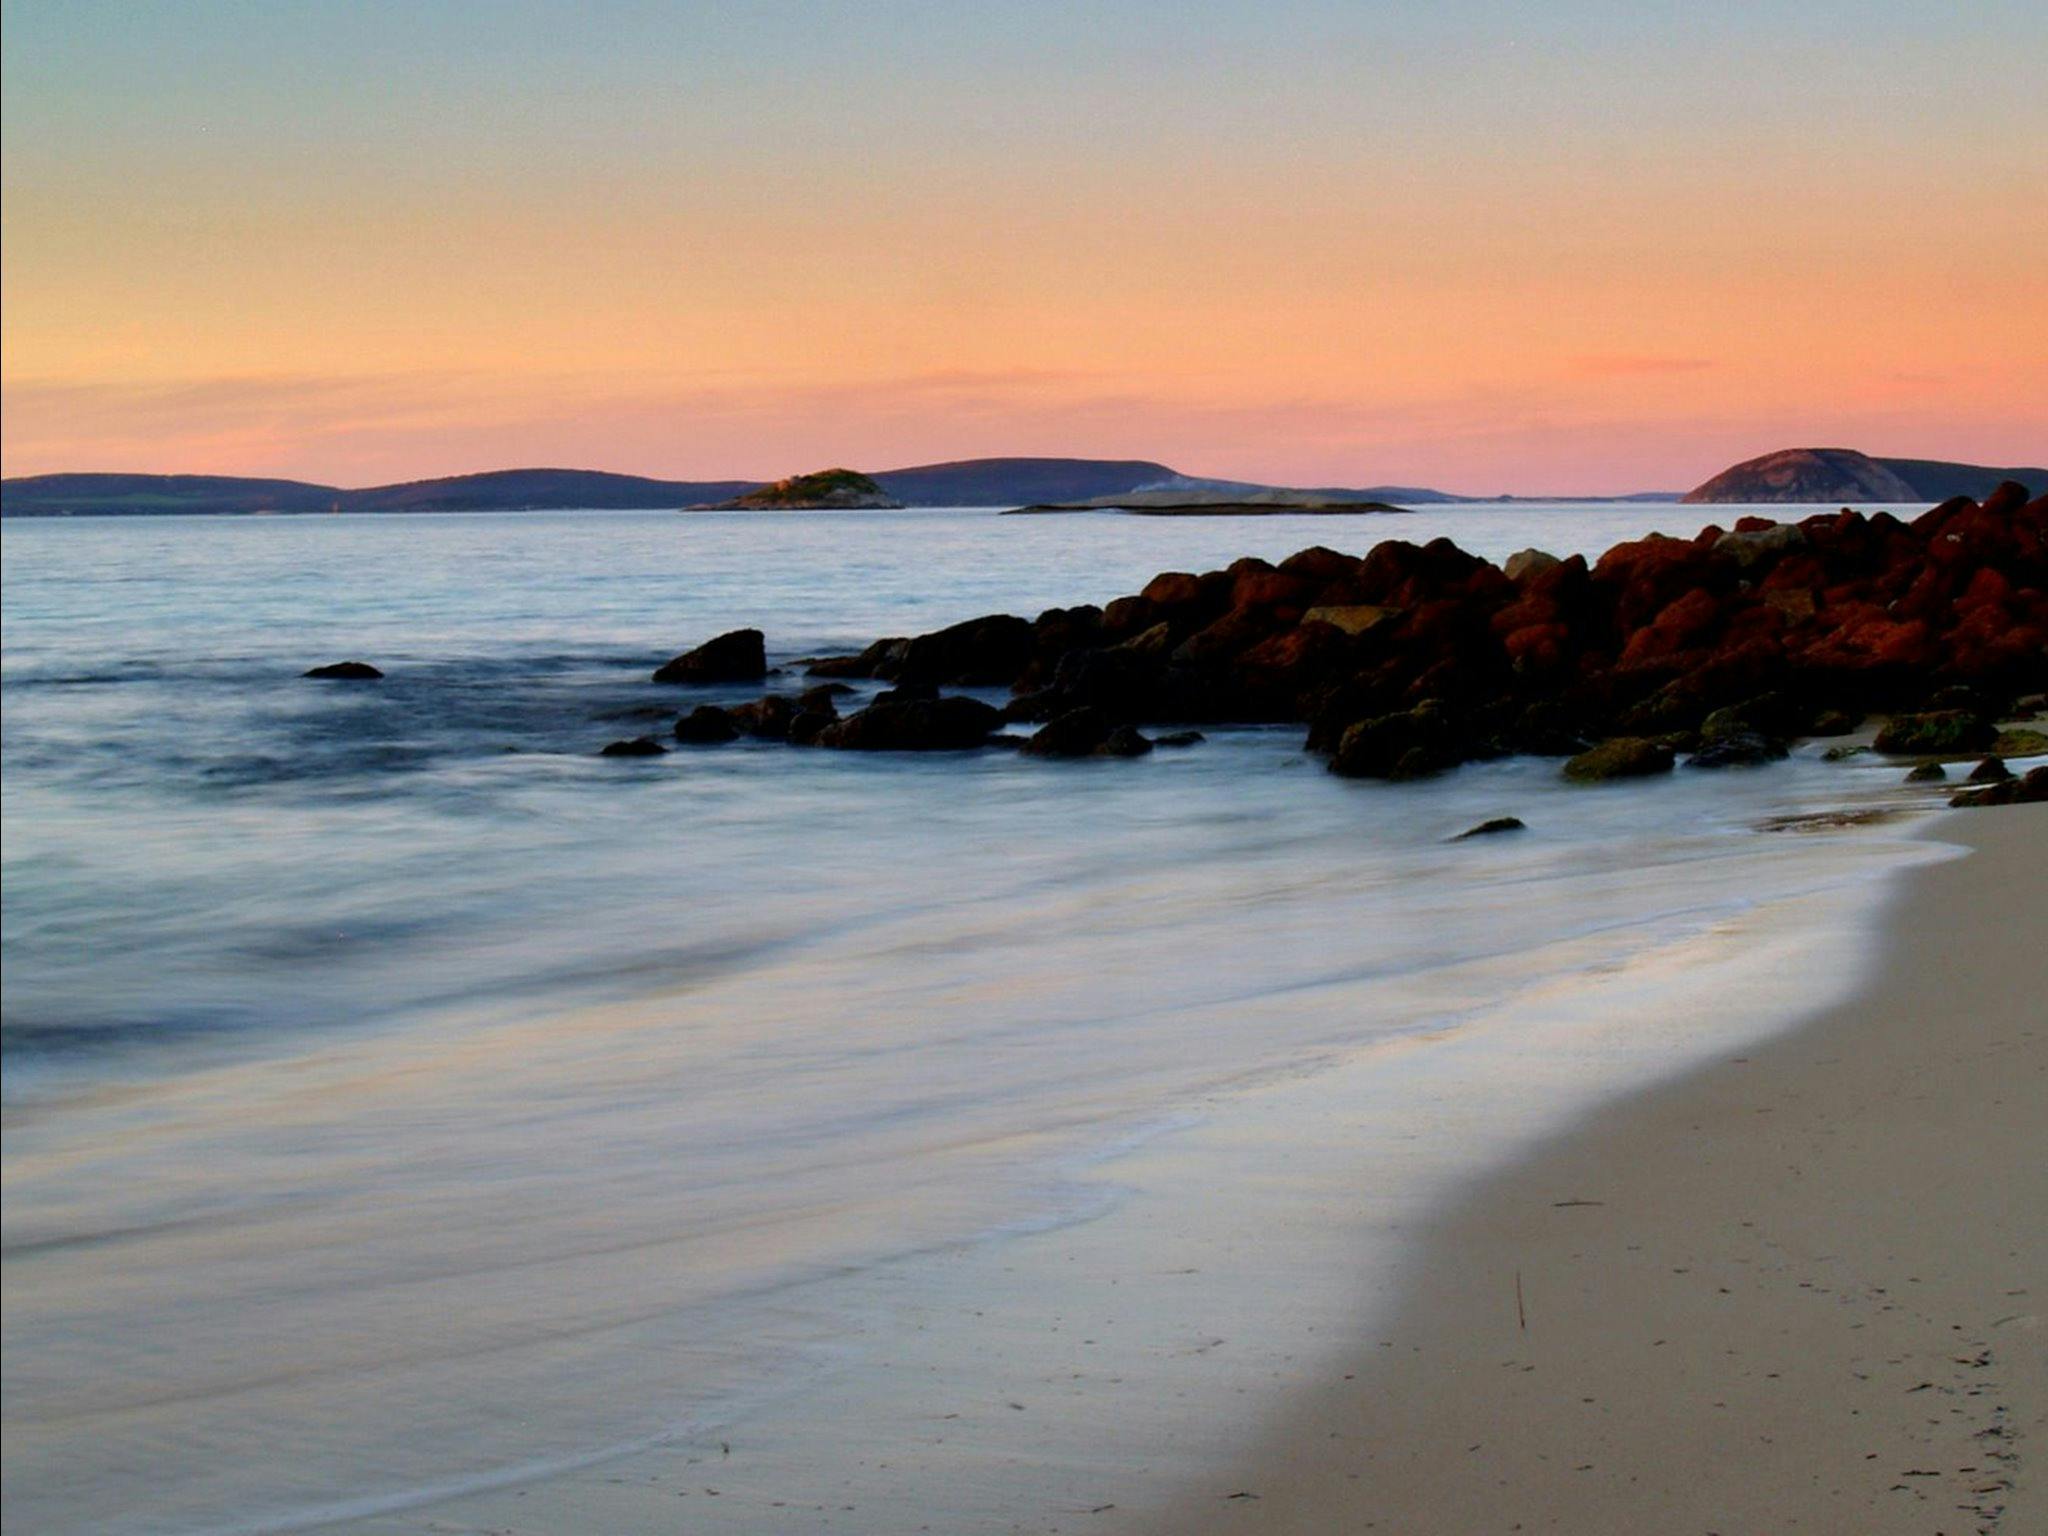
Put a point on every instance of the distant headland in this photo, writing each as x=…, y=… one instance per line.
x=1140, y=486
x=1821, y=475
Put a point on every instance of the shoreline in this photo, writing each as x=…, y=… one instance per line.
x=1797, y=1289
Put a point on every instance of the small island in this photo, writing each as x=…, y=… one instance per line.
x=825, y=490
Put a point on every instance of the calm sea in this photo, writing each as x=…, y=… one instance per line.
x=399, y=1097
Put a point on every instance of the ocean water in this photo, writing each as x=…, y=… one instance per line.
x=401, y=1099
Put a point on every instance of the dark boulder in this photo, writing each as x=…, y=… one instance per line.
x=1408, y=744
x=1735, y=749
x=980, y=653
x=883, y=653
x=345, y=672
x=735, y=657
x=1075, y=733
x=1927, y=773
x=807, y=725
x=1991, y=771
x=706, y=725
x=1179, y=739
x=1622, y=757
x=1124, y=741
x=637, y=746
x=925, y=725
x=766, y=719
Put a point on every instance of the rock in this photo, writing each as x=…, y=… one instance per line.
x=980, y=653
x=1991, y=771
x=638, y=746
x=1408, y=744
x=735, y=657
x=2030, y=790
x=807, y=725
x=1834, y=722
x=1179, y=739
x=1842, y=754
x=1526, y=563
x=1489, y=828
x=1955, y=732
x=2019, y=741
x=824, y=698
x=1753, y=546
x=935, y=725
x=1927, y=773
x=706, y=725
x=1621, y=757
x=345, y=672
x=766, y=718
x=1124, y=741
x=1352, y=618
x=868, y=663
x=1736, y=749
x=1076, y=733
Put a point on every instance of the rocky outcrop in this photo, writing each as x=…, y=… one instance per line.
x=1416, y=657
x=345, y=672
x=735, y=657
x=824, y=490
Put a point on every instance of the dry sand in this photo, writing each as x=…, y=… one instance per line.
x=1801, y=1290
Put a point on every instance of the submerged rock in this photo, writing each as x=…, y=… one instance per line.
x=1489, y=828
x=706, y=725
x=345, y=672
x=735, y=657
x=637, y=746
x=1927, y=773
x=1179, y=739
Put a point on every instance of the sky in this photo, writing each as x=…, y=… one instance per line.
x=1586, y=246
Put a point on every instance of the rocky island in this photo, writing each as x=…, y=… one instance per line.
x=1718, y=650
x=826, y=490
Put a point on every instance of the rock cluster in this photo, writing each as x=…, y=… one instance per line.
x=1414, y=658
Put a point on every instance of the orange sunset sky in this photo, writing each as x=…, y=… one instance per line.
x=1541, y=248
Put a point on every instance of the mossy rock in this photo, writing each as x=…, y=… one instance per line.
x=1941, y=732
x=2020, y=741
x=1622, y=757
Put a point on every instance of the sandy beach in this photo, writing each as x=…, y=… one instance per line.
x=1800, y=1290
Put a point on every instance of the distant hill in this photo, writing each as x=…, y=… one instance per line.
x=502, y=490
x=1843, y=475
x=55, y=494
x=512, y=490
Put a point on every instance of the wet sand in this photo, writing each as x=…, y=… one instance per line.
x=1800, y=1290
